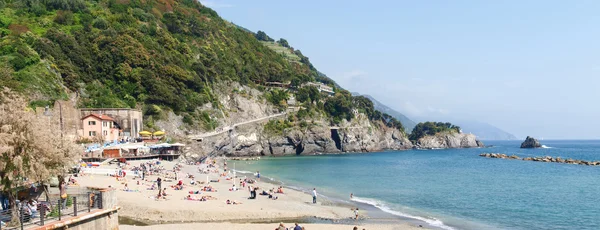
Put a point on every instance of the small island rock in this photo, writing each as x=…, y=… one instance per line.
x=530, y=142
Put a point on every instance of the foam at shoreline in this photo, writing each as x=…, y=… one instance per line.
x=383, y=207
x=371, y=202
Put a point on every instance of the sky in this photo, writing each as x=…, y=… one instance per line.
x=528, y=67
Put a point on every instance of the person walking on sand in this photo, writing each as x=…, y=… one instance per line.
x=314, y=193
x=159, y=183
x=258, y=175
x=356, y=214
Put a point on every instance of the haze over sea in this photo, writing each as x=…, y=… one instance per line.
x=456, y=188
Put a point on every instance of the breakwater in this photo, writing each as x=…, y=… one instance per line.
x=541, y=159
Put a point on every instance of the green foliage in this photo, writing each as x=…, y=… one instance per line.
x=40, y=103
x=277, y=97
x=160, y=55
x=283, y=43
x=4, y=21
x=100, y=23
x=64, y=17
x=339, y=107
x=277, y=127
x=431, y=128
x=262, y=36
x=69, y=202
x=308, y=94
x=208, y=122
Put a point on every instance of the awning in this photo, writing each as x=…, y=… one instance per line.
x=178, y=145
x=159, y=133
x=145, y=133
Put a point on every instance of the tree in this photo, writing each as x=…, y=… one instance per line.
x=262, y=36
x=431, y=128
x=31, y=150
x=283, y=43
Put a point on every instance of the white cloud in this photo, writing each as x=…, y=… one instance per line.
x=216, y=4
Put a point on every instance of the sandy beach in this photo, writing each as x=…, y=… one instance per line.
x=176, y=211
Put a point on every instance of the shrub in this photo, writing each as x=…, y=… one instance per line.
x=64, y=17
x=100, y=23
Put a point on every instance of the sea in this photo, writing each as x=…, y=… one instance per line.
x=455, y=188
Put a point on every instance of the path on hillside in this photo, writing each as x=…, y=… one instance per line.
x=228, y=128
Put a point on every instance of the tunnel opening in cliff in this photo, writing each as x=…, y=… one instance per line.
x=335, y=136
x=299, y=149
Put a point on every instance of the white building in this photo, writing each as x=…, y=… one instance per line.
x=321, y=87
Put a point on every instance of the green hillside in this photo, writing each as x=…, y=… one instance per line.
x=155, y=54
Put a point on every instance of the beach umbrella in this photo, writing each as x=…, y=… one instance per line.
x=159, y=133
x=145, y=133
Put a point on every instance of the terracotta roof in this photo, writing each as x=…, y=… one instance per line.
x=100, y=117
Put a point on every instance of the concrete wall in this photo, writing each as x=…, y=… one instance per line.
x=106, y=220
x=71, y=120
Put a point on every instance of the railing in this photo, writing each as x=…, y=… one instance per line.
x=51, y=210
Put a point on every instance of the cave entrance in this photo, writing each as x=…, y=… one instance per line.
x=299, y=149
x=335, y=136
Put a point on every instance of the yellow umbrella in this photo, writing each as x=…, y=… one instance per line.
x=145, y=133
x=159, y=133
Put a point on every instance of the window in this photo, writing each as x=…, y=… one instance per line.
x=92, y=133
x=91, y=122
x=105, y=133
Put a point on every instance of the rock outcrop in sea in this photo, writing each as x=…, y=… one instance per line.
x=541, y=159
x=530, y=142
x=449, y=140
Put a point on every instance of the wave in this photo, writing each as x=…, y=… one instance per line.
x=244, y=172
x=383, y=207
x=546, y=147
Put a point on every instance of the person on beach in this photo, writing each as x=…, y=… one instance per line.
x=314, y=193
x=159, y=183
x=257, y=175
x=356, y=214
x=351, y=195
x=281, y=227
x=297, y=227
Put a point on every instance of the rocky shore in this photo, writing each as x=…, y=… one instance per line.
x=541, y=159
x=449, y=140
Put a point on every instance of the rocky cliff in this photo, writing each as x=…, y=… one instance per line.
x=449, y=140
x=242, y=103
x=319, y=137
x=530, y=142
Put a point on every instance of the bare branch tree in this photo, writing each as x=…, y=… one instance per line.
x=31, y=147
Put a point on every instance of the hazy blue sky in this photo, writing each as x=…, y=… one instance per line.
x=528, y=67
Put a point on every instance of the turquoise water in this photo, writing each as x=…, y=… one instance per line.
x=457, y=189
